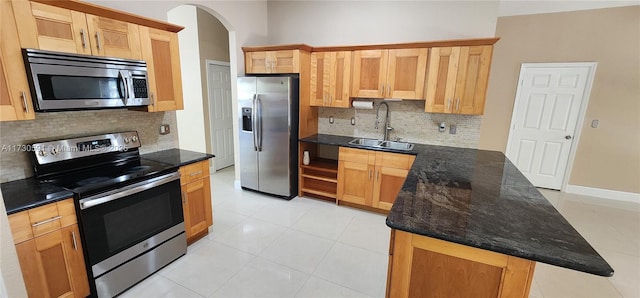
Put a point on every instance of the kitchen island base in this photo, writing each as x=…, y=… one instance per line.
x=421, y=266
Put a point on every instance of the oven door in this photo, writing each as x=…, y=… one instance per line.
x=122, y=224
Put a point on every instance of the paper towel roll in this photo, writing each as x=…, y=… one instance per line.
x=365, y=105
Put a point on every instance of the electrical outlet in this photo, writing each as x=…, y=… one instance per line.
x=353, y=120
x=452, y=129
x=165, y=129
x=595, y=123
x=330, y=119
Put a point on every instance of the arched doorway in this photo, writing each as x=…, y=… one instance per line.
x=209, y=71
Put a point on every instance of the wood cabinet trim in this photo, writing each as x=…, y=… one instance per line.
x=102, y=11
x=300, y=46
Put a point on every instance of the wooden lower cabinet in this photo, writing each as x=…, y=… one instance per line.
x=196, y=200
x=49, y=250
x=421, y=266
x=371, y=178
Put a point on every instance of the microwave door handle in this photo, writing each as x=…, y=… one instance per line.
x=130, y=93
x=122, y=76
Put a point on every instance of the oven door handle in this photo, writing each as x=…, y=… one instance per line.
x=127, y=191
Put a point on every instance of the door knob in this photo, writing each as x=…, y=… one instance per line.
x=567, y=137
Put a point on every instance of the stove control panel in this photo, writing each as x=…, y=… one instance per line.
x=60, y=150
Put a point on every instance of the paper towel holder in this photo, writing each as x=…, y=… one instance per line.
x=362, y=104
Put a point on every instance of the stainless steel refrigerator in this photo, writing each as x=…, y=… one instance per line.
x=268, y=122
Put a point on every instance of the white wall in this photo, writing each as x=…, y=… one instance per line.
x=191, y=123
x=326, y=23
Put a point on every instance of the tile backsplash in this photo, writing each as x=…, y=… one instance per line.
x=409, y=122
x=48, y=126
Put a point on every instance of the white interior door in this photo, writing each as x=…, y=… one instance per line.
x=219, y=92
x=549, y=102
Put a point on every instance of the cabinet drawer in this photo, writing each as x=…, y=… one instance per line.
x=194, y=171
x=44, y=219
x=394, y=160
x=357, y=155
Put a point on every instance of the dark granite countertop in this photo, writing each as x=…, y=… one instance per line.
x=177, y=157
x=480, y=199
x=24, y=194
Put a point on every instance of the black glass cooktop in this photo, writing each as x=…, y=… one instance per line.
x=106, y=177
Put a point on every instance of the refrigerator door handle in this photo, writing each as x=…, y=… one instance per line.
x=259, y=122
x=254, y=114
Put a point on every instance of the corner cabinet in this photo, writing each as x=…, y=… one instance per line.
x=395, y=73
x=15, y=97
x=330, y=79
x=49, y=250
x=160, y=50
x=371, y=178
x=457, y=79
x=196, y=200
x=52, y=28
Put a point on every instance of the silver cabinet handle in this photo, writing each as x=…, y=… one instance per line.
x=83, y=38
x=449, y=104
x=99, y=45
x=330, y=99
x=153, y=99
x=389, y=89
x=195, y=173
x=382, y=89
x=378, y=175
x=46, y=221
x=370, y=172
x=73, y=237
x=458, y=104
x=24, y=102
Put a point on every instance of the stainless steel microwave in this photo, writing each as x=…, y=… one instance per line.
x=62, y=81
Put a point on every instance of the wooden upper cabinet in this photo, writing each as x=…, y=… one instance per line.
x=369, y=73
x=160, y=50
x=15, y=98
x=47, y=27
x=330, y=79
x=283, y=61
x=395, y=73
x=407, y=69
x=113, y=38
x=457, y=79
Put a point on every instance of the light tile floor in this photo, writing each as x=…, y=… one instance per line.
x=268, y=247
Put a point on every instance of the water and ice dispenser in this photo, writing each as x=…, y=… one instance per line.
x=247, y=123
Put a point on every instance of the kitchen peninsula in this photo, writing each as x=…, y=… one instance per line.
x=467, y=223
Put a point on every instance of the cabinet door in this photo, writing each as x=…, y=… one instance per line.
x=198, y=215
x=160, y=50
x=355, y=182
x=53, y=266
x=340, y=79
x=286, y=61
x=113, y=38
x=387, y=186
x=46, y=27
x=15, y=98
x=256, y=62
x=369, y=73
x=441, y=79
x=472, y=79
x=320, y=78
x=407, y=69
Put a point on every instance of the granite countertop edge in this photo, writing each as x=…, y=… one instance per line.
x=404, y=219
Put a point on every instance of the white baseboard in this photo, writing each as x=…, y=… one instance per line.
x=603, y=193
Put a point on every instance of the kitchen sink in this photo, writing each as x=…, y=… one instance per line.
x=366, y=142
x=382, y=144
x=396, y=145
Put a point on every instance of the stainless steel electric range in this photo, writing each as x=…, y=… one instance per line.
x=129, y=208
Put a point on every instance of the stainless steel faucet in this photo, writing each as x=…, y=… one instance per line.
x=387, y=128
